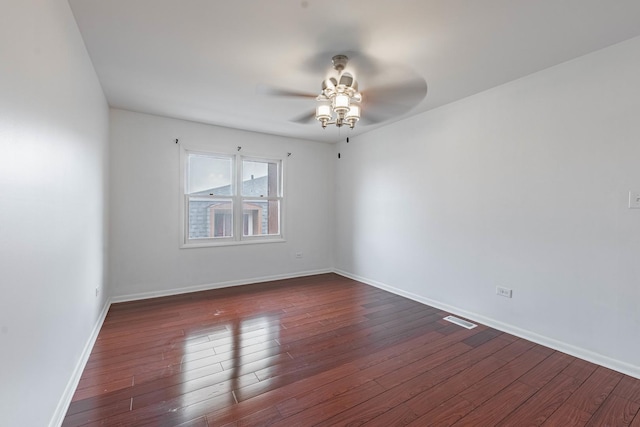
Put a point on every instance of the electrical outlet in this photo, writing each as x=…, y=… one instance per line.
x=504, y=292
x=299, y=255
x=634, y=199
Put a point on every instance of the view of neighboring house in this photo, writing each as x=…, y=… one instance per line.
x=211, y=217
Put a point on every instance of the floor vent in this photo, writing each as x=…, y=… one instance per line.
x=460, y=322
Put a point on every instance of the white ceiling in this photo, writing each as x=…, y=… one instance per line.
x=210, y=60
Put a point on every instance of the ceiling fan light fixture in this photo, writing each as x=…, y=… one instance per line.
x=347, y=80
x=323, y=114
x=354, y=112
x=338, y=96
x=329, y=84
x=341, y=103
x=353, y=115
x=323, y=111
x=339, y=62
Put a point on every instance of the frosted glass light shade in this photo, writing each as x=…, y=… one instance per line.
x=323, y=111
x=353, y=113
x=341, y=103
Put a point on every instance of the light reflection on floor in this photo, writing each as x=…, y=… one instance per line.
x=238, y=351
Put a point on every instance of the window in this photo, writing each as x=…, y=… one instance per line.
x=230, y=199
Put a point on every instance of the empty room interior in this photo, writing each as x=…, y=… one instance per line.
x=298, y=213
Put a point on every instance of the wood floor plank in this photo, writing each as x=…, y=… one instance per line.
x=494, y=383
x=321, y=394
x=101, y=388
x=445, y=414
x=580, y=369
x=546, y=401
x=319, y=412
x=615, y=411
x=198, y=422
x=567, y=416
x=499, y=406
x=261, y=418
x=400, y=415
x=426, y=377
x=628, y=388
x=595, y=390
x=514, y=350
x=546, y=370
x=411, y=370
x=354, y=372
x=425, y=402
x=327, y=350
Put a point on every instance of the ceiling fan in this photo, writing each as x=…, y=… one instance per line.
x=341, y=103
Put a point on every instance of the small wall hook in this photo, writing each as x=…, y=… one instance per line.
x=239, y=148
x=176, y=140
x=288, y=154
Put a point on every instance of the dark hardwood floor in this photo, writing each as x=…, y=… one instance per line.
x=326, y=350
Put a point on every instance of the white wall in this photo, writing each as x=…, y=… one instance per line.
x=523, y=186
x=145, y=254
x=53, y=138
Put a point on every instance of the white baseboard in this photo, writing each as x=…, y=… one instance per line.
x=219, y=285
x=579, y=352
x=65, y=400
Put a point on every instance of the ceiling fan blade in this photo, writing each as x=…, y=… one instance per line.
x=405, y=93
x=276, y=91
x=360, y=64
x=304, y=118
x=386, y=102
x=342, y=39
x=364, y=66
x=370, y=118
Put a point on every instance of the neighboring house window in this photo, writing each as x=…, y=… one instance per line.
x=230, y=199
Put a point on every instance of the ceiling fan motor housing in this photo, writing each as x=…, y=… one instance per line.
x=339, y=62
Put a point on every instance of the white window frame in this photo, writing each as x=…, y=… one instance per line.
x=236, y=199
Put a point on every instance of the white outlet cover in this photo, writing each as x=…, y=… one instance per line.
x=504, y=292
x=634, y=199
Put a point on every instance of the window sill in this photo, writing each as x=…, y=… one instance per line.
x=210, y=244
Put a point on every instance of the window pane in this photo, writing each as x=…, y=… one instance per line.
x=209, y=175
x=260, y=178
x=260, y=217
x=210, y=218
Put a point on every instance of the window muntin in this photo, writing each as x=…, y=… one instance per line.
x=231, y=199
